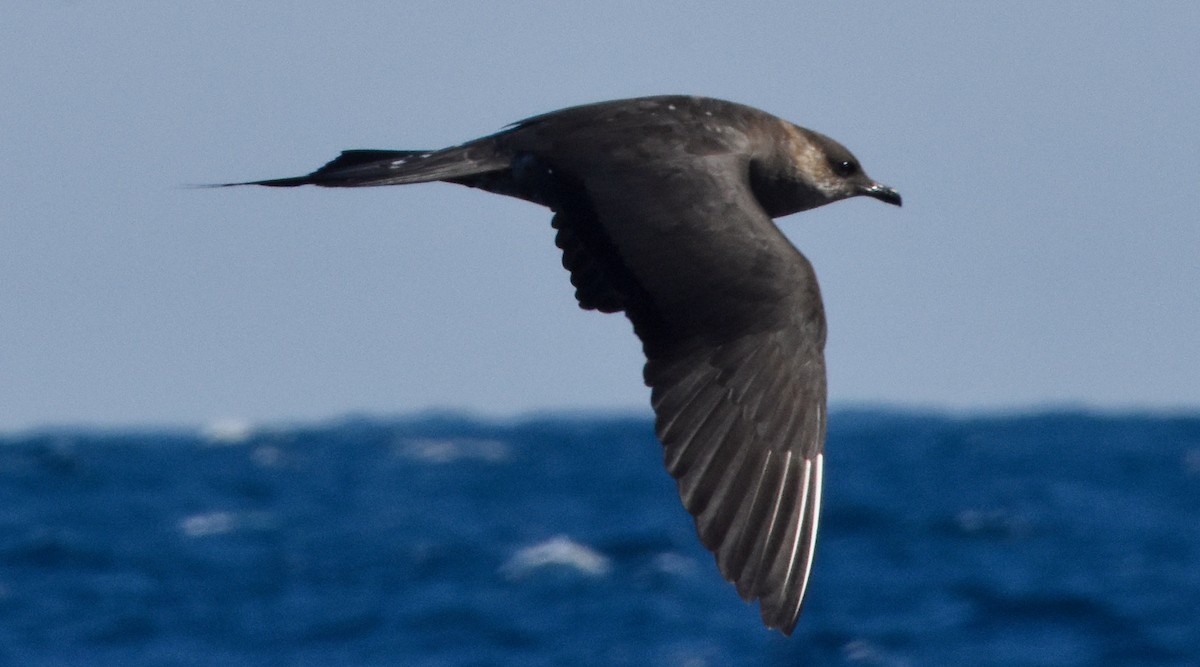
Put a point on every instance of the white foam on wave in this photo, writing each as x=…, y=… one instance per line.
x=207, y=524
x=558, y=551
x=227, y=431
x=451, y=450
x=864, y=652
x=268, y=456
x=674, y=564
x=991, y=522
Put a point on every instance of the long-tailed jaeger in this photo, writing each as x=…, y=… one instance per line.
x=664, y=210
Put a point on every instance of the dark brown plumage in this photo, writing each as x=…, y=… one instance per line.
x=663, y=208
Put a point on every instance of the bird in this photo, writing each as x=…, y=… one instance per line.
x=664, y=210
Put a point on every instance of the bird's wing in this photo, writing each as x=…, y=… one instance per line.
x=742, y=425
x=732, y=324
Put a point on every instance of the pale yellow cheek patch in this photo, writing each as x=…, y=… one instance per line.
x=807, y=158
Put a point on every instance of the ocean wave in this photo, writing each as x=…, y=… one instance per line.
x=451, y=450
x=227, y=431
x=207, y=524
x=558, y=551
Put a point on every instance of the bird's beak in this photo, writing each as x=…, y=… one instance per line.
x=883, y=193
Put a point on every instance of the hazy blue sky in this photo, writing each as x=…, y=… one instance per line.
x=1048, y=250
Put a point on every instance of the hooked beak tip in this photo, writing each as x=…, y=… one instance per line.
x=883, y=193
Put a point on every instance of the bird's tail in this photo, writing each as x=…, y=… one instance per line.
x=359, y=168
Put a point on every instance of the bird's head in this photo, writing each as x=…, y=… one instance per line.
x=806, y=169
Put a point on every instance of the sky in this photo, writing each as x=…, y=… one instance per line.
x=1047, y=254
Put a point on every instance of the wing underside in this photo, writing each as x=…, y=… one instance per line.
x=737, y=372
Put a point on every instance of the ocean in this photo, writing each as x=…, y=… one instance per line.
x=1056, y=538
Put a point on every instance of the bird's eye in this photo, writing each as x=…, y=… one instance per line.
x=845, y=168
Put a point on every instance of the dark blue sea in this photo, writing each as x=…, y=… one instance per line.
x=1046, y=539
